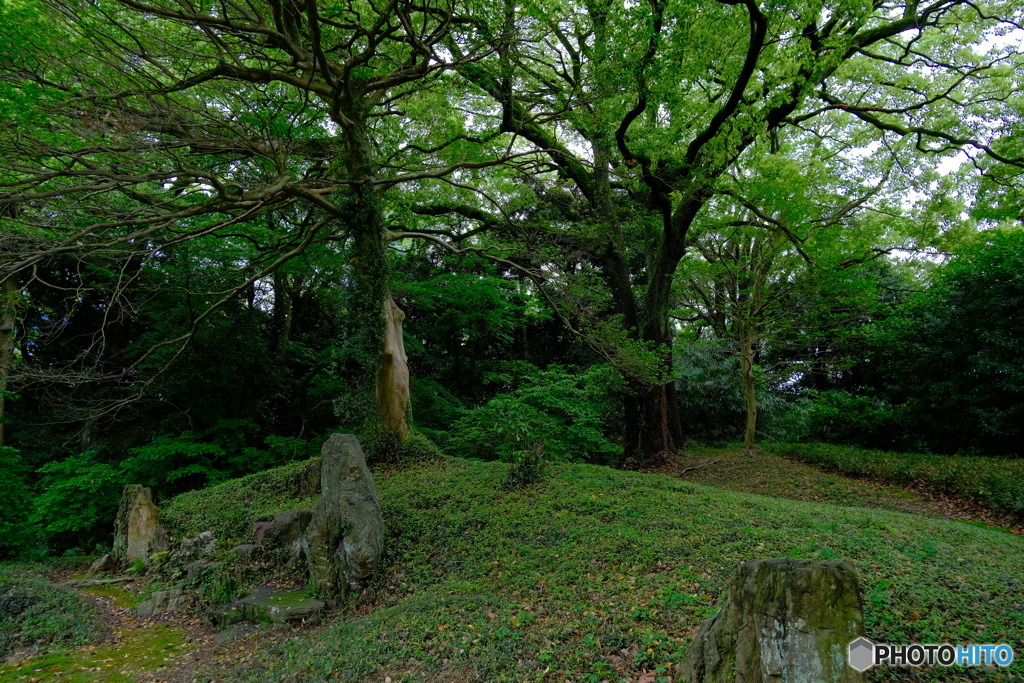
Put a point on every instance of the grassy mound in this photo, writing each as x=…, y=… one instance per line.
x=37, y=613
x=597, y=574
x=995, y=482
x=229, y=509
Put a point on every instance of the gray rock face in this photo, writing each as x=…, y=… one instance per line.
x=164, y=601
x=260, y=529
x=246, y=552
x=783, y=621
x=191, y=557
x=287, y=528
x=137, y=529
x=268, y=604
x=345, y=537
x=101, y=566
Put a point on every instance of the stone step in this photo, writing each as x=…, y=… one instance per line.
x=268, y=604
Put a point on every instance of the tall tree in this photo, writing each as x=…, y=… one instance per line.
x=153, y=124
x=643, y=109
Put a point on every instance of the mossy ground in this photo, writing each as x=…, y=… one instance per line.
x=596, y=574
x=34, y=611
x=140, y=655
x=768, y=472
x=997, y=483
x=140, y=649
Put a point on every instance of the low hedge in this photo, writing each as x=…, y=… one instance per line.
x=995, y=482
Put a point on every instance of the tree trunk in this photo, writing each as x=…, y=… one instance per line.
x=372, y=304
x=653, y=424
x=747, y=372
x=393, y=375
x=8, y=296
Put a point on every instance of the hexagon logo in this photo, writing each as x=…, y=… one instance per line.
x=862, y=654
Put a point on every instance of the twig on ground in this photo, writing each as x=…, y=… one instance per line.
x=687, y=470
x=95, y=582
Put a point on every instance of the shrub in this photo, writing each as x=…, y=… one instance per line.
x=384, y=447
x=995, y=482
x=78, y=502
x=841, y=417
x=15, y=534
x=563, y=411
x=528, y=468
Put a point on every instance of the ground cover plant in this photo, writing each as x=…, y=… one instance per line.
x=34, y=612
x=129, y=648
x=595, y=574
x=995, y=482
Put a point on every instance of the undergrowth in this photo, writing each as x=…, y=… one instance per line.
x=37, y=613
x=995, y=482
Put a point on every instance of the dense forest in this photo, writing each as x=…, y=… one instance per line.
x=569, y=231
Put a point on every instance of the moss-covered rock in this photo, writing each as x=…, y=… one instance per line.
x=783, y=620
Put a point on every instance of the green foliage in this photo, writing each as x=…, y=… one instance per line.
x=952, y=354
x=562, y=410
x=995, y=482
x=845, y=418
x=79, y=495
x=435, y=408
x=219, y=585
x=36, y=612
x=527, y=468
x=78, y=500
x=167, y=459
x=175, y=464
x=711, y=400
x=15, y=533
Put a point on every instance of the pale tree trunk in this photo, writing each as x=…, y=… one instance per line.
x=747, y=371
x=8, y=295
x=393, y=375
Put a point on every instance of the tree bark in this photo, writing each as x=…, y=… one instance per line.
x=747, y=372
x=393, y=400
x=8, y=296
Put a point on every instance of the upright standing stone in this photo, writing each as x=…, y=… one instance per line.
x=137, y=530
x=345, y=538
x=783, y=621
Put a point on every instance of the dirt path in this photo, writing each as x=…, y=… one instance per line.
x=779, y=477
x=172, y=648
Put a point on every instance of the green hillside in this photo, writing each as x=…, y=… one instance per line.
x=597, y=574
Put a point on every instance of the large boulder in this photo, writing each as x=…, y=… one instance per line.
x=164, y=601
x=783, y=621
x=345, y=537
x=137, y=529
x=287, y=529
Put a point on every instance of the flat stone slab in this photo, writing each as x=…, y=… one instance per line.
x=267, y=603
x=225, y=615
